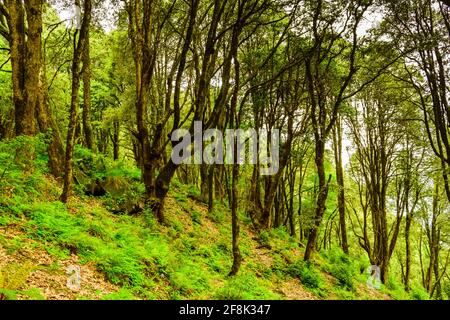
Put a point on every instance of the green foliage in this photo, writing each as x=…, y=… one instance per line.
x=33, y=294
x=264, y=237
x=116, y=180
x=20, y=176
x=115, y=176
x=339, y=265
x=395, y=289
x=244, y=287
x=149, y=261
x=344, y=294
x=120, y=266
x=194, y=191
x=419, y=293
x=180, y=197
x=307, y=274
x=122, y=294
x=196, y=216
x=218, y=213
x=12, y=278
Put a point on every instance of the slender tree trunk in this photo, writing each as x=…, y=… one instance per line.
x=407, y=252
x=116, y=140
x=204, y=182
x=321, y=199
x=235, y=123
x=211, y=188
x=87, y=126
x=436, y=290
x=47, y=123
x=337, y=142
x=433, y=238
x=237, y=258
x=79, y=47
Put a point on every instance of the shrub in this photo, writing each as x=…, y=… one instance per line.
x=345, y=275
x=245, y=286
x=217, y=215
x=264, y=238
x=196, y=217
x=120, y=266
x=419, y=293
x=338, y=264
x=395, y=289
x=305, y=271
x=194, y=191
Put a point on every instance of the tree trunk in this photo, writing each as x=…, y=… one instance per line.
x=321, y=199
x=407, y=252
x=116, y=140
x=87, y=126
x=28, y=77
x=24, y=112
x=337, y=143
x=211, y=188
x=79, y=47
x=235, y=121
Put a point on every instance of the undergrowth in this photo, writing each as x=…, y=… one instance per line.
x=188, y=259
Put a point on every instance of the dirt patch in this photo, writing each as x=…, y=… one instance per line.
x=293, y=290
x=372, y=293
x=49, y=275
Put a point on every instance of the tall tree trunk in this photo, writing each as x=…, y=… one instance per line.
x=24, y=113
x=321, y=198
x=87, y=126
x=141, y=30
x=28, y=77
x=47, y=123
x=211, y=188
x=237, y=258
x=436, y=290
x=235, y=123
x=168, y=171
x=433, y=239
x=116, y=140
x=407, y=252
x=337, y=143
x=79, y=47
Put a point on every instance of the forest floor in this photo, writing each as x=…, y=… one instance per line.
x=132, y=257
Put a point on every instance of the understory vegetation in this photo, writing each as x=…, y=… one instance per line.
x=188, y=259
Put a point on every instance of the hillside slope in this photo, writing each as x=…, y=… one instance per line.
x=132, y=257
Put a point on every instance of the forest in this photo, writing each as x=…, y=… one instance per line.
x=332, y=118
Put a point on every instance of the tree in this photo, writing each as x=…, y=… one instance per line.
x=337, y=144
x=32, y=112
x=422, y=29
x=327, y=95
x=79, y=46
